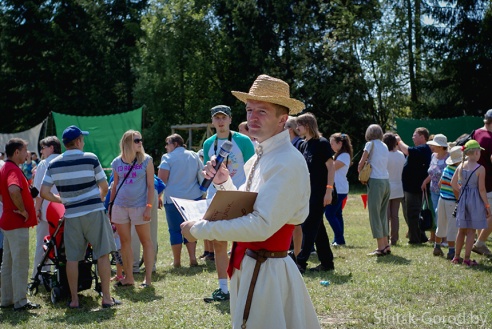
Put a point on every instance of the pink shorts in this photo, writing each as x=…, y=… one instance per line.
x=123, y=215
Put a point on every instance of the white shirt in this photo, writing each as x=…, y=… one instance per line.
x=396, y=160
x=38, y=180
x=341, y=182
x=378, y=159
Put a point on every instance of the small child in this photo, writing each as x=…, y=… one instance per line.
x=473, y=207
x=446, y=223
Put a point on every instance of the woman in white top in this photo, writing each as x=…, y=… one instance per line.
x=378, y=190
x=396, y=160
x=340, y=143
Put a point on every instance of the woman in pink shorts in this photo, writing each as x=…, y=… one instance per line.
x=131, y=202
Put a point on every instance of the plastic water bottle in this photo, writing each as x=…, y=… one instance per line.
x=325, y=283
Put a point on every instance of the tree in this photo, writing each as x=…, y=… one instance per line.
x=67, y=56
x=459, y=66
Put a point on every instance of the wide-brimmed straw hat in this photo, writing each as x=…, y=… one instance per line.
x=271, y=90
x=455, y=155
x=439, y=140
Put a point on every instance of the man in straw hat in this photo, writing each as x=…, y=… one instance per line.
x=267, y=290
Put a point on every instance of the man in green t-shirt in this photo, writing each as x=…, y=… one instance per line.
x=241, y=151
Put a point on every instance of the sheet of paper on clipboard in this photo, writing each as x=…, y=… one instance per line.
x=224, y=205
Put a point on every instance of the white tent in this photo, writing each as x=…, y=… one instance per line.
x=31, y=136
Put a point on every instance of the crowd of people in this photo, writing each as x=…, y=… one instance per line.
x=452, y=179
x=273, y=150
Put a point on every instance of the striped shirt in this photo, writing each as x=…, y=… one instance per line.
x=446, y=191
x=76, y=175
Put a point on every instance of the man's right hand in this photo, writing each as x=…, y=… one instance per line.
x=220, y=176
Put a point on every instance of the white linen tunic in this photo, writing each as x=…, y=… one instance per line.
x=280, y=299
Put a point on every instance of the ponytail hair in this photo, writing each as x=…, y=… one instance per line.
x=346, y=145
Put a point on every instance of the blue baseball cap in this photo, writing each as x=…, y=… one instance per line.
x=72, y=132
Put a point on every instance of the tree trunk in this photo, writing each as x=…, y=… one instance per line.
x=411, y=60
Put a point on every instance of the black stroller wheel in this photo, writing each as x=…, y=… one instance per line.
x=55, y=294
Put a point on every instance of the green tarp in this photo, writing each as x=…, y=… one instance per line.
x=452, y=128
x=105, y=131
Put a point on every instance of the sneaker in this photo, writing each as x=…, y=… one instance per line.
x=210, y=257
x=205, y=254
x=438, y=252
x=450, y=255
x=482, y=250
x=28, y=306
x=217, y=296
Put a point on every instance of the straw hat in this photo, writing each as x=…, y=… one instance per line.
x=455, y=155
x=439, y=140
x=271, y=90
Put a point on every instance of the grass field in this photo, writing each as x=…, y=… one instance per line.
x=409, y=289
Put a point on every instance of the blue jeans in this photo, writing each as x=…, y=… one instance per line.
x=333, y=213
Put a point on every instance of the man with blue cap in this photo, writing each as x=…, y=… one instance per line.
x=82, y=185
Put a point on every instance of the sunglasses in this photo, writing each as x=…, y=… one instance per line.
x=138, y=140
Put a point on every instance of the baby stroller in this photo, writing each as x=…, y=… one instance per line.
x=55, y=278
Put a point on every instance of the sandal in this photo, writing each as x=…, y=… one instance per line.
x=457, y=260
x=121, y=284
x=387, y=250
x=377, y=253
x=115, y=302
x=470, y=262
x=117, y=278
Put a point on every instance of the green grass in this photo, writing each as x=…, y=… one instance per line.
x=409, y=289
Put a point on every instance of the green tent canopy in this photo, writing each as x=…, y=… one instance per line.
x=105, y=131
x=452, y=128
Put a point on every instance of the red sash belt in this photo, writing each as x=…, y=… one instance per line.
x=280, y=241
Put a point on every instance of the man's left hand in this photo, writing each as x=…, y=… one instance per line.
x=185, y=230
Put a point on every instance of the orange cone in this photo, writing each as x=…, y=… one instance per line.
x=364, y=200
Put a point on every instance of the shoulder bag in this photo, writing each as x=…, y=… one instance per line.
x=426, y=215
x=366, y=170
x=110, y=205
